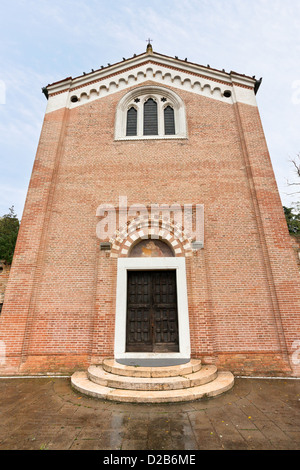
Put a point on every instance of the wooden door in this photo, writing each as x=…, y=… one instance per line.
x=152, y=319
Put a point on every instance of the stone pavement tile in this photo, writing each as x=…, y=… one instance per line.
x=256, y=440
x=286, y=445
x=38, y=411
x=33, y=430
x=159, y=441
x=200, y=420
x=139, y=411
x=237, y=416
x=15, y=426
x=282, y=393
x=271, y=430
x=138, y=420
x=134, y=444
x=219, y=429
x=187, y=442
x=8, y=426
x=157, y=425
x=90, y=432
x=112, y=422
x=29, y=436
x=279, y=439
x=91, y=444
x=48, y=414
x=4, y=430
x=107, y=441
x=287, y=422
x=17, y=391
x=179, y=416
x=229, y=435
x=9, y=400
x=136, y=432
x=250, y=409
x=295, y=436
x=64, y=439
x=234, y=443
x=25, y=444
x=66, y=412
x=159, y=438
x=23, y=416
x=82, y=417
x=162, y=409
x=80, y=413
x=180, y=427
x=207, y=439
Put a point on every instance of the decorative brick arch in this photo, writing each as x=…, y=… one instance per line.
x=135, y=230
x=154, y=227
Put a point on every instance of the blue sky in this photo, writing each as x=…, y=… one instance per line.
x=47, y=40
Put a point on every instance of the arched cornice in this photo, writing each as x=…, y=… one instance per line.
x=74, y=93
x=144, y=227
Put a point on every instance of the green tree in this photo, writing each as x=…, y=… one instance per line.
x=9, y=227
x=296, y=164
x=292, y=220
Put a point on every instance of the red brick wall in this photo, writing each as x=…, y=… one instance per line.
x=4, y=275
x=296, y=247
x=243, y=287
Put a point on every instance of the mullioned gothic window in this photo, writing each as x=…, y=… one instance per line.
x=169, y=120
x=150, y=113
x=150, y=119
x=131, y=127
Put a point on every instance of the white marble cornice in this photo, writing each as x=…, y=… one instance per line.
x=160, y=69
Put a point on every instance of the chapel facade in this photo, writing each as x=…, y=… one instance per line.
x=153, y=230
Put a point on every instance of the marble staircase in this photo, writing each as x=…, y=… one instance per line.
x=181, y=383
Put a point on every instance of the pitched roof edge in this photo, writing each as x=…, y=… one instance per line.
x=64, y=84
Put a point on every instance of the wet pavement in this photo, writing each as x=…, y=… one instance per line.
x=45, y=413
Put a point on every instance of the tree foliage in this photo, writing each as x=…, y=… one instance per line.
x=292, y=214
x=9, y=228
x=292, y=217
x=296, y=164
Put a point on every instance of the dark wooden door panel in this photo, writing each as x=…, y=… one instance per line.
x=152, y=319
x=139, y=330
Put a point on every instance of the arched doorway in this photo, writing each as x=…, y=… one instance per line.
x=152, y=317
x=152, y=325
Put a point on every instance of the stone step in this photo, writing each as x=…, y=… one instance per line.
x=223, y=382
x=110, y=365
x=98, y=375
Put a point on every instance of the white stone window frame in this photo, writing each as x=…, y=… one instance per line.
x=146, y=264
x=156, y=93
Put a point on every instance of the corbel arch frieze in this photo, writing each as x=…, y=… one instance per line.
x=203, y=86
x=153, y=228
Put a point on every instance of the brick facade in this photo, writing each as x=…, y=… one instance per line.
x=4, y=276
x=243, y=286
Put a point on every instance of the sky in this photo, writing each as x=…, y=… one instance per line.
x=45, y=41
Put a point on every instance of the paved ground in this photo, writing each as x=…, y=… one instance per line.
x=48, y=414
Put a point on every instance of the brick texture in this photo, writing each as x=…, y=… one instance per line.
x=4, y=276
x=243, y=287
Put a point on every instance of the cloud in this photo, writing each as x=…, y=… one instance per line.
x=43, y=42
x=12, y=196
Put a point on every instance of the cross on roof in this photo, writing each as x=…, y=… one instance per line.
x=149, y=46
